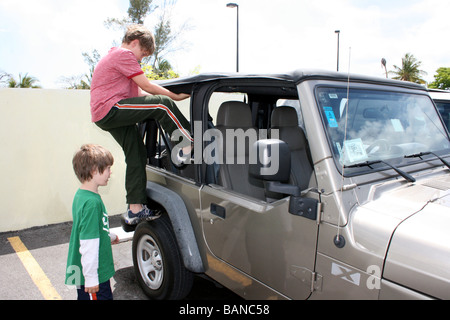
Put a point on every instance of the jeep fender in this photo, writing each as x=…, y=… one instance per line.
x=181, y=223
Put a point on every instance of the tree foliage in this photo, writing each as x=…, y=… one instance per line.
x=137, y=12
x=92, y=60
x=156, y=66
x=152, y=75
x=165, y=36
x=441, y=79
x=83, y=81
x=4, y=77
x=410, y=70
x=139, y=9
x=25, y=81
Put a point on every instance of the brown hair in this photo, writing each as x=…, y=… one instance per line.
x=89, y=158
x=141, y=33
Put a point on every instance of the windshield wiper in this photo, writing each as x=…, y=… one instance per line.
x=405, y=175
x=420, y=154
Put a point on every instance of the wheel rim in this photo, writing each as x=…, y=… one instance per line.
x=150, y=262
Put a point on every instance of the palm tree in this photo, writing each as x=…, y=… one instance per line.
x=410, y=70
x=24, y=82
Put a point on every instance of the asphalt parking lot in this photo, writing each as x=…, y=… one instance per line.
x=33, y=262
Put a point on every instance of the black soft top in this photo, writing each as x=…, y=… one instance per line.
x=186, y=84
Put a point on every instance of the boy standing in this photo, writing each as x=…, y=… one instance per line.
x=90, y=262
x=122, y=96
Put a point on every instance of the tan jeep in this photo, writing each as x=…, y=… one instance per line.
x=309, y=185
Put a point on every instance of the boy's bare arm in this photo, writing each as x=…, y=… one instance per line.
x=152, y=88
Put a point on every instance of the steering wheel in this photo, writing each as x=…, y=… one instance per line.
x=382, y=144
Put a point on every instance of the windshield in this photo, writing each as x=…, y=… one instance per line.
x=379, y=125
x=444, y=109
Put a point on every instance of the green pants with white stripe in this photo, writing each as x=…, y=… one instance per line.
x=121, y=122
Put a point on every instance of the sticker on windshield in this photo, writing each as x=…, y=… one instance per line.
x=397, y=125
x=354, y=151
x=329, y=113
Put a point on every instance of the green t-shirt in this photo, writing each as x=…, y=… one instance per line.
x=91, y=227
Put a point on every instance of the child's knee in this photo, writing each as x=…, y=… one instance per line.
x=167, y=101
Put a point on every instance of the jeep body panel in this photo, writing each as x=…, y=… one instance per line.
x=182, y=224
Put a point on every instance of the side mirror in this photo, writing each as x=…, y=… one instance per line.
x=273, y=166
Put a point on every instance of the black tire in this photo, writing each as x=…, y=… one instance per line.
x=158, y=264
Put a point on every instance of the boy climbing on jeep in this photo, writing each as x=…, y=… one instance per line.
x=122, y=96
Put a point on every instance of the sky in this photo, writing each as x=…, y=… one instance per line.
x=46, y=38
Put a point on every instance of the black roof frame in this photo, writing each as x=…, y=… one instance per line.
x=187, y=84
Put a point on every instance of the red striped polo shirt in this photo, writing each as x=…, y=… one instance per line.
x=112, y=81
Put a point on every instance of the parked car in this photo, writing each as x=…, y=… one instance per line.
x=442, y=100
x=306, y=185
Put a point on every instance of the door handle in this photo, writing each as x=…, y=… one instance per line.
x=217, y=210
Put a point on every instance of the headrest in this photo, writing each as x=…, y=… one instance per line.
x=234, y=114
x=284, y=117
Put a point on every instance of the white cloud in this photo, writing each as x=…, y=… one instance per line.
x=46, y=38
x=285, y=35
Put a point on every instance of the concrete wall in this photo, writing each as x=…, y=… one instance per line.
x=40, y=131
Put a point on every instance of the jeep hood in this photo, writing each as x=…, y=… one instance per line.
x=413, y=223
x=419, y=252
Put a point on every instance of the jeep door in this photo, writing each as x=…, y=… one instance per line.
x=263, y=241
x=256, y=243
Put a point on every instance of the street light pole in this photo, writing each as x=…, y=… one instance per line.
x=235, y=5
x=383, y=63
x=338, y=33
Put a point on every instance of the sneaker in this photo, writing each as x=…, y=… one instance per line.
x=145, y=214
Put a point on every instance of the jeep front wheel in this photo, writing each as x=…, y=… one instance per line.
x=158, y=263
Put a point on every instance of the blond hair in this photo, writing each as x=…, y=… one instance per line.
x=89, y=158
x=141, y=33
